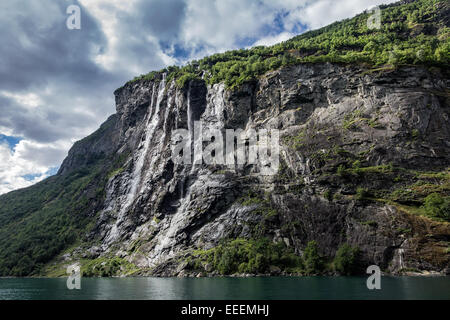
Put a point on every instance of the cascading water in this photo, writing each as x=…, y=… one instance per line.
x=190, y=123
x=158, y=148
x=166, y=240
x=136, y=177
x=194, y=128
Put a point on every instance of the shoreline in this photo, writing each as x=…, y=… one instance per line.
x=424, y=274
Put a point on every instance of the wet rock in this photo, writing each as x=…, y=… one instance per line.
x=328, y=115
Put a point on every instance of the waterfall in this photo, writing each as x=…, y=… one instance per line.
x=190, y=122
x=400, y=257
x=137, y=174
x=158, y=146
x=191, y=128
x=150, y=130
x=165, y=241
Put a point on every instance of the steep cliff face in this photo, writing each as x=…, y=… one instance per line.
x=363, y=117
x=353, y=142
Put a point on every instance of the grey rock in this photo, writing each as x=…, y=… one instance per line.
x=173, y=209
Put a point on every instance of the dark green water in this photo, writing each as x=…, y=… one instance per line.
x=293, y=288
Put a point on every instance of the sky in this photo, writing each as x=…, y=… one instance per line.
x=57, y=84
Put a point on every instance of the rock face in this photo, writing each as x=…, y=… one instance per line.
x=330, y=116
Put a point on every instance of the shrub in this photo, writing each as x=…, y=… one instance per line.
x=437, y=206
x=346, y=260
x=328, y=195
x=247, y=256
x=311, y=259
x=341, y=171
x=106, y=267
x=347, y=41
x=362, y=193
x=356, y=164
x=185, y=79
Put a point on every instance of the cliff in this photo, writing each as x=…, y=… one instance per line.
x=363, y=164
x=342, y=130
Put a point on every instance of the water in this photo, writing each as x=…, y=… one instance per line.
x=136, y=178
x=292, y=288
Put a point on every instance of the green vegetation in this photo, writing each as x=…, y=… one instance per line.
x=370, y=223
x=115, y=172
x=410, y=33
x=421, y=193
x=415, y=192
x=107, y=267
x=251, y=198
x=437, y=206
x=328, y=195
x=346, y=260
x=246, y=256
x=39, y=222
x=148, y=77
x=313, y=263
x=263, y=202
x=429, y=195
x=362, y=193
x=259, y=256
x=354, y=121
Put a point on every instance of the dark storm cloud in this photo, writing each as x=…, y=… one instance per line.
x=40, y=54
x=162, y=18
x=57, y=84
x=151, y=28
x=44, y=127
x=37, y=46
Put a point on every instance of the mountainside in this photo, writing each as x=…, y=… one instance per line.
x=364, y=166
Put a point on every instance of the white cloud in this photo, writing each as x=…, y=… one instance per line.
x=114, y=16
x=30, y=99
x=320, y=13
x=27, y=158
x=106, y=13
x=61, y=85
x=219, y=24
x=271, y=40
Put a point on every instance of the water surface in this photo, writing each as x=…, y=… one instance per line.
x=278, y=288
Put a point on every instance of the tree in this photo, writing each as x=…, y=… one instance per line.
x=346, y=260
x=311, y=259
x=437, y=206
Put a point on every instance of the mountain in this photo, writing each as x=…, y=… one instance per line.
x=363, y=177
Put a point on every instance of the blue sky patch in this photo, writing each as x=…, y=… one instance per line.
x=10, y=140
x=51, y=172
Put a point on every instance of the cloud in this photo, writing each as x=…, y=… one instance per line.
x=271, y=40
x=26, y=164
x=316, y=14
x=40, y=49
x=52, y=90
x=135, y=31
x=56, y=84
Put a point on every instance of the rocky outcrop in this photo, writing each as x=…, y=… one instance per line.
x=331, y=118
x=99, y=145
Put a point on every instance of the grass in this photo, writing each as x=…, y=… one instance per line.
x=115, y=172
x=263, y=204
x=348, y=41
x=107, y=267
